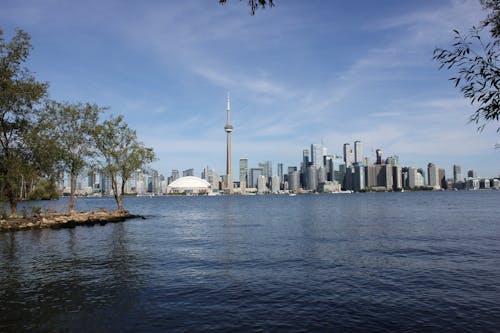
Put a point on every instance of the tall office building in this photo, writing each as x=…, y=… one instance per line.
x=433, y=176
x=471, y=174
x=358, y=152
x=188, y=172
x=243, y=172
x=254, y=176
x=317, y=155
x=305, y=160
x=457, y=173
x=267, y=168
x=229, y=129
x=280, y=172
x=348, y=155
x=175, y=174
x=378, y=152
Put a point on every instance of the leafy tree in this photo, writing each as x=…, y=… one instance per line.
x=71, y=126
x=254, y=4
x=20, y=93
x=478, y=65
x=122, y=154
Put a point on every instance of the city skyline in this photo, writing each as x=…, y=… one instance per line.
x=298, y=74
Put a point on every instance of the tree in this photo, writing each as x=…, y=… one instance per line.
x=20, y=93
x=122, y=154
x=254, y=4
x=478, y=66
x=72, y=127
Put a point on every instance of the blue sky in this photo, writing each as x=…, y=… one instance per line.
x=301, y=72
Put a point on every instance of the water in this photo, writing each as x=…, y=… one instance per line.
x=384, y=262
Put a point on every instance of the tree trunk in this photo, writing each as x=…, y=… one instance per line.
x=122, y=195
x=114, y=185
x=72, y=189
x=13, y=207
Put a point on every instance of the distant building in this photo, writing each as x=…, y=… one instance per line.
x=261, y=184
x=293, y=180
x=392, y=160
x=254, y=176
x=189, y=185
x=312, y=178
x=457, y=173
x=378, y=153
x=471, y=174
x=280, y=173
x=442, y=178
x=433, y=176
x=275, y=184
x=243, y=173
x=348, y=155
x=358, y=152
x=317, y=155
x=188, y=173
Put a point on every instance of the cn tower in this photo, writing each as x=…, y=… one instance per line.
x=229, y=129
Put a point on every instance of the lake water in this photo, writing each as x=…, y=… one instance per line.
x=369, y=262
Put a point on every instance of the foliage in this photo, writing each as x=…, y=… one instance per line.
x=44, y=189
x=121, y=152
x=477, y=60
x=19, y=95
x=71, y=126
x=254, y=4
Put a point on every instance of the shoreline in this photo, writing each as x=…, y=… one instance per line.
x=65, y=220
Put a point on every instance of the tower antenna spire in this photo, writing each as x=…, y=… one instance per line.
x=228, y=128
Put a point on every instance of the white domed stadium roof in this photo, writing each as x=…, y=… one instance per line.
x=189, y=182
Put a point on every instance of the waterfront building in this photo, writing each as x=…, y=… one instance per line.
x=416, y=177
x=312, y=178
x=348, y=183
x=359, y=177
x=358, y=152
x=261, y=184
x=254, y=176
x=397, y=177
x=321, y=176
x=457, y=173
x=189, y=185
x=275, y=184
x=267, y=169
x=348, y=155
x=229, y=129
x=293, y=180
x=243, y=173
x=433, y=176
x=280, y=172
x=442, y=178
x=317, y=155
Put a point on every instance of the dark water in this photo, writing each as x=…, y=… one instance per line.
x=383, y=262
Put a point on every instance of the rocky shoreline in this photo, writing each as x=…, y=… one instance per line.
x=65, y=220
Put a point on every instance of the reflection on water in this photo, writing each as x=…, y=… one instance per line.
x=361, y=262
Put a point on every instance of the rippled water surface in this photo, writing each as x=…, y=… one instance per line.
x=412, y=262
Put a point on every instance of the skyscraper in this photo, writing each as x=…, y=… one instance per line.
x=378, y=152
x=280, y=172
x=317, y=155
x=243, y=172
x=358, y=152
x=457, y=173
x=433, y=176
x=348, y=156
x=228, y=128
